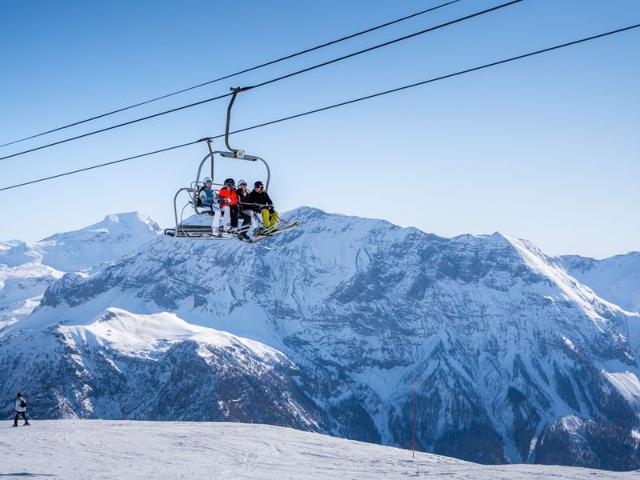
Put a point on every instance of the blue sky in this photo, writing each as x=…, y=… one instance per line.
x=545, y=149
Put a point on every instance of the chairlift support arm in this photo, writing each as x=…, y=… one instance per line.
x=235, y=90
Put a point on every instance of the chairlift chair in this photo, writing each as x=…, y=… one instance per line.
x=191, y=228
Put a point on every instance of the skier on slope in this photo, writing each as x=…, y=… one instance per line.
x=263, y=204
x=21, y=410
x=229, y=203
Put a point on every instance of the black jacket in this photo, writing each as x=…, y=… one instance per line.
x=260, y=198
x=244, y=198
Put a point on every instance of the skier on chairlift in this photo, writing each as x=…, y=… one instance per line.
x=263, y=205
x=228, y=199
x=246, y=213
x=206, y=194
x=208, y=198
x=228, y=203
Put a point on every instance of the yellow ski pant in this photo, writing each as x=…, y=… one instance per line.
x=269, y=219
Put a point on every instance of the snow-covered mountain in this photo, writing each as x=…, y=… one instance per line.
x=330, y=328
x=104, y=450
x=616, y=279
x=26, y=270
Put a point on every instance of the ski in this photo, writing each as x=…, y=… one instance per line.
x=273, y=231
x=204, y=232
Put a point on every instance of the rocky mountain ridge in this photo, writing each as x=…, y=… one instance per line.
x=329, y=328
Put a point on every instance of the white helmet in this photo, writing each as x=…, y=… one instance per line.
x=207, y=180
x=240, y=182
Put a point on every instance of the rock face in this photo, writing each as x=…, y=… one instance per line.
x=331, y=328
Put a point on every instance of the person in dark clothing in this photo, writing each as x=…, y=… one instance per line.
x=263, y=205
x=245, y=212
x=21, y=410
x=243, y=198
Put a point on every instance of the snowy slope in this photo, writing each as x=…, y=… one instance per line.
x=79, y=450
x=513, y=359
x=114, y=237
x=616, y=279
x=26, y=270
x=21, y=289
x=140, y=366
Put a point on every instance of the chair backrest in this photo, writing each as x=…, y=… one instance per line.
x=197, y=202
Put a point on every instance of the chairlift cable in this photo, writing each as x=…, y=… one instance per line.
x=336, y=105
x=267, y=82
x=100, y=165
x=231, y=75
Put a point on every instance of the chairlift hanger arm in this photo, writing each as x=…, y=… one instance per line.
x=235, y=90
x=209, y=143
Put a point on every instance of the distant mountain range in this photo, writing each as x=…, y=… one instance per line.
x=514, y=356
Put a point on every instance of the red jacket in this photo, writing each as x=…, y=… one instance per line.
x=229, y=194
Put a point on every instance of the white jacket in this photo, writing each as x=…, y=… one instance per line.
x=18, y=407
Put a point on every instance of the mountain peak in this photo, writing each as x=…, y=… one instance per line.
x=495, y=239
x=129, y=220
x=306, y=212
x=117, y=235
x=144, y=335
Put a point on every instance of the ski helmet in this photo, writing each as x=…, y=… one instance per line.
x=207, y=180
x=242, y=182
x=229, y=182
x=258, y=184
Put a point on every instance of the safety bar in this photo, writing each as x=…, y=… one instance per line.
x=250, y=158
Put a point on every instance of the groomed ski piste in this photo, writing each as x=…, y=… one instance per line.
x=99, y=449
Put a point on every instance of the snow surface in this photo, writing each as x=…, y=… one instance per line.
x=616, y=279
x=627, y=384
x=86, y=449
x=21, y=289
x=26, y=270
x=144, y=335
x=115, y=236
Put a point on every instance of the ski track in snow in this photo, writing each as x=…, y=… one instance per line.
x=96, y=449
